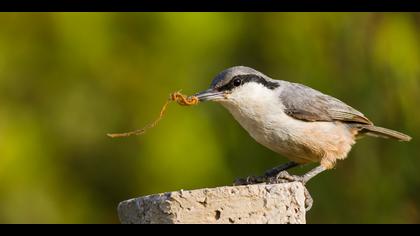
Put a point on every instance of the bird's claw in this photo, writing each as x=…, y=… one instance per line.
x=280, y=178
x=249, y=180
x=309, y=201
x=285, y=177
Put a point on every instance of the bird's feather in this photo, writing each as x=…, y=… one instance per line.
x=304, y=103
x=381, y=132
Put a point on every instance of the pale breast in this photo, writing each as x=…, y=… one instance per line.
x=263, y=117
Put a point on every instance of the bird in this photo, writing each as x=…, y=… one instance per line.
x=296, y=121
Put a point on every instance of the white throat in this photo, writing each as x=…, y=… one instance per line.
x=255, y=107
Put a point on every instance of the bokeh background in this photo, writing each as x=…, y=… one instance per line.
x=67, y=79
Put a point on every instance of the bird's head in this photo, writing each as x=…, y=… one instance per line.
x=238, y=85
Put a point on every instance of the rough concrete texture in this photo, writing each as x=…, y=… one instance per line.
x=251, y=204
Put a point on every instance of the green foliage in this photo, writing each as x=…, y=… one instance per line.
x=67, y=79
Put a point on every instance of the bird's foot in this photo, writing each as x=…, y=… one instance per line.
x=285, y=177
x=309, y=201
x=280, y=178
x=250, y=180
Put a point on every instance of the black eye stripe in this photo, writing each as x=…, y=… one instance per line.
x=246, y=79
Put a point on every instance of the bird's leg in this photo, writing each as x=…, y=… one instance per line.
x=314, y=172
x=267, y=177
x=276, y=170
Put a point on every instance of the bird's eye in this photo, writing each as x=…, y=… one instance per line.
x=237, y=82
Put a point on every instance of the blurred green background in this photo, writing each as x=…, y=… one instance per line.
x=67, y=79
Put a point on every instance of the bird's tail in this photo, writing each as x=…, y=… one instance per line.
x=377, y=131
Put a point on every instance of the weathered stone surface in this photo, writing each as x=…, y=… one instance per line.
x=261, y=203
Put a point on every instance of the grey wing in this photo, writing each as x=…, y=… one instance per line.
x=304, y=103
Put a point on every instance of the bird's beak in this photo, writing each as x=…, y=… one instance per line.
x=210, y=95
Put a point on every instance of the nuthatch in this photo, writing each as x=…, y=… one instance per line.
x=292, y=119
